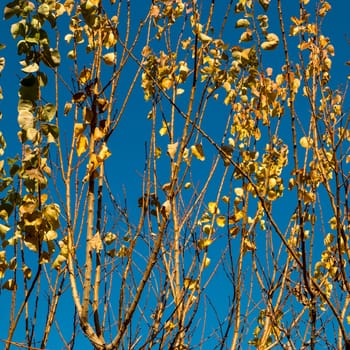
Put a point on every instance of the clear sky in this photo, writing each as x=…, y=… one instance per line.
x=124, y=170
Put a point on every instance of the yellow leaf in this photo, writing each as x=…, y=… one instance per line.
x=10, y=284
x=3, y=230
x=99, y=134
x=204, y=38
x=204, y=243
x=164, y=129
x=96, y=242
x=92, y=3
x=197, y=151
x=27, y=272
x=172, y=147
x=269, y=45
x=306, y=142
x=50, y=235
x=271, y=42
x=146, y=51
x=169, y=326
x=213, y=208
x=167, y=83
x=226, y=199
x=248, y=245
x=333, y=223
x=85, y=76
x=208, y=229
x=242, y=23
x=110, y=58
x=187, y=185
x=82, y=145
x=221, y=221
x=67, y=108
x=58, y=262
x=110, y=238
x=191, y=284
x=155, y=10
x=79, y=129
x=104, y=153
x=206, y=262
x=239, y=191
x=158, y=152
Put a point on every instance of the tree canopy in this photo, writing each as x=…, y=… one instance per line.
x=177, y=175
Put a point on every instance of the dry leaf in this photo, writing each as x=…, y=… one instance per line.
x=172, y=147
x=197, y=151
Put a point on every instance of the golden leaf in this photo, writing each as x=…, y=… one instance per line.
x=187, y=185
x=50, y=235
x=146, y=51
x=3, y=230
x=110, y=238
x=165, y=209
x=158, y=152
x=239, y=191
x=204, y=243
x=269, y=45
x=167, y=83
x=104, y=153
x=328, y=240
x=208, y=229
x=226, y=199
x=306, y=142
x=96, y=242
x=82, y=145
x=27, y=272
x=206, y=262
x=191, y=284
x=10, y=284
x=85, y=76
x=164, y=129
x=197, y=151
x=172, y=147
x=204, y=38
x=213, y=208
x=154, y=12
x=242, y=23
x=221, y=221
x=248, y=245
x=110, y=58
x=67, y=108
x=99, y=134
x=92, y=3
x=58, y=262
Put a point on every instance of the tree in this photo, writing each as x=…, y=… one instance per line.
x=234, y=233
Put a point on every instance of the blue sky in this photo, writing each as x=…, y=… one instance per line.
x=125, y=169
